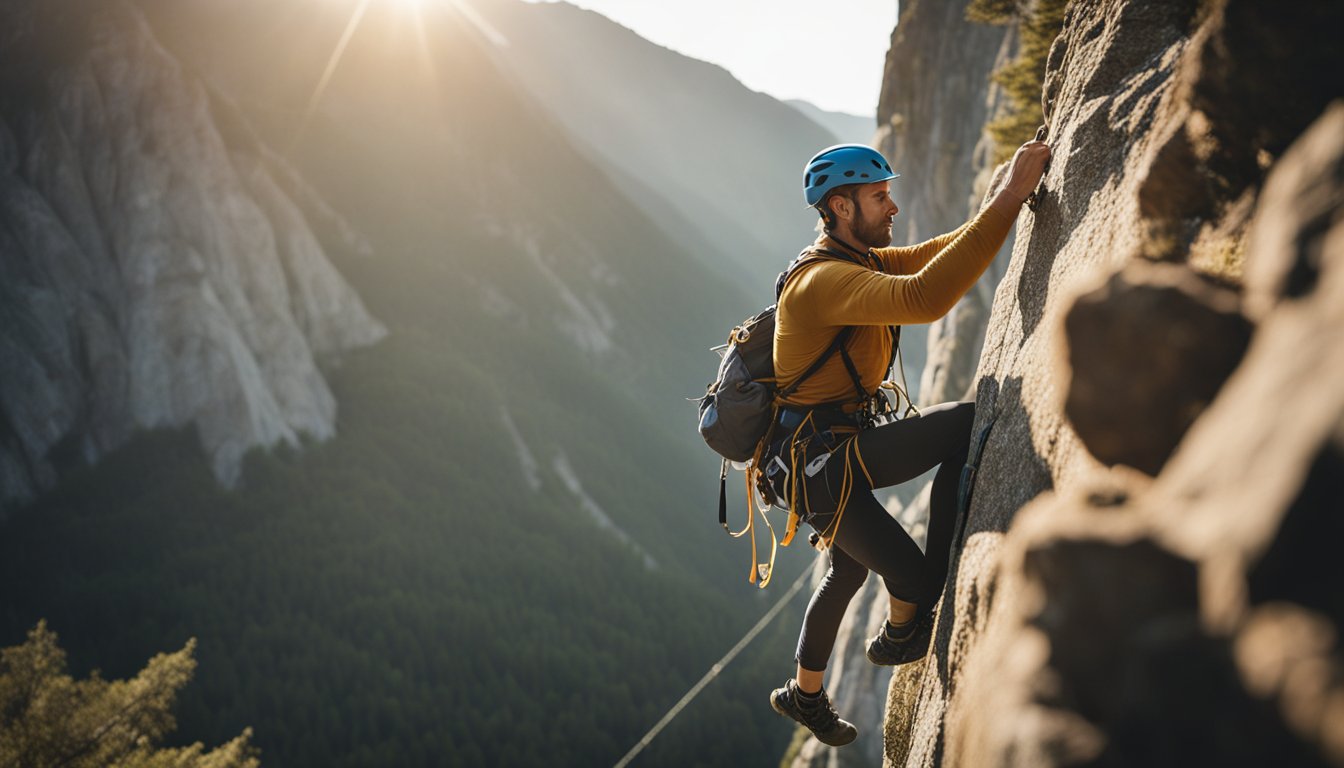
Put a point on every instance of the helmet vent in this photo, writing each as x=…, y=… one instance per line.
x=876, y=164
x=822, y=179
x=822, y=166
x=864, y=175
x=849, y=173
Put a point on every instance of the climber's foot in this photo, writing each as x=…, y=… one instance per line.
x=896, y=645
x=814, y=712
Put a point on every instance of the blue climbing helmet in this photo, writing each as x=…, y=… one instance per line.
x=840, y=165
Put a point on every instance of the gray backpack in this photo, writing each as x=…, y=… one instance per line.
x=736, y=410
x=738, y=407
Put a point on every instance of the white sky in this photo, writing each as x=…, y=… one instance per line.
x=774, y=46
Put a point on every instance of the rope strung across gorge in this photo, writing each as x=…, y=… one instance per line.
x=717, y=668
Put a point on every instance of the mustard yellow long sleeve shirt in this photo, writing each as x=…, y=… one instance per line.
x=917, y=284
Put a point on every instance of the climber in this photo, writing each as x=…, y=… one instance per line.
x=826, y=457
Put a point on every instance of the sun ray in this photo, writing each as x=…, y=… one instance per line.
x=478, y=21
x=335, y=59
x=426, y=56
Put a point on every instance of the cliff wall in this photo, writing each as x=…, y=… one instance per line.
x=157, y=271
x=1096, y=615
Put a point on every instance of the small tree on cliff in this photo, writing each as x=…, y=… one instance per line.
x=1021, y=79
x=47, y=718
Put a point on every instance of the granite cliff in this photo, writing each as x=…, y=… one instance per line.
x=160, y=267
x=1142, y=576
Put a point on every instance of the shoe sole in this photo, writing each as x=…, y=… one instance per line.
x=775, y=706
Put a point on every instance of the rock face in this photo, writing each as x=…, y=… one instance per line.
x=155, y=274
x=1099, y=616
x=933, y=106
x=1164, y=316
x=1221, y=645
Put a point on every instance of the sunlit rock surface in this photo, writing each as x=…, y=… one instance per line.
x=1097, y=616
x=1193, y=619
x=1129, y=399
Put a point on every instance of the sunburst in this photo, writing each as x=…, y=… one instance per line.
x=417, y=8
x=350, y=27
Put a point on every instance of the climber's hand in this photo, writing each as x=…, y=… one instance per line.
x=1029, y=164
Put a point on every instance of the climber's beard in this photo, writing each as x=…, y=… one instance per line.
x=874, y=232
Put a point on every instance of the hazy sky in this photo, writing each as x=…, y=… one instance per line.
x=775, y=46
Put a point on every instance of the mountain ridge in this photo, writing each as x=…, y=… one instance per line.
x=628, y=101
x=847, y=128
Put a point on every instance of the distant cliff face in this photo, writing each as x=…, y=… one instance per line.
x=155, y=274
x=1149, y=314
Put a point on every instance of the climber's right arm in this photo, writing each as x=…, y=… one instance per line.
x=839, y=293
x=1028, y=164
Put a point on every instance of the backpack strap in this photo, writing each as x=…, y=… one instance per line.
x=894, y=330
x=837, y=345
x=854, y=377
x=811, y=256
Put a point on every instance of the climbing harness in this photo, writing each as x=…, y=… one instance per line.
x=811, y=446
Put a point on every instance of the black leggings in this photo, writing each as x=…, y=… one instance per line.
x=870, y=539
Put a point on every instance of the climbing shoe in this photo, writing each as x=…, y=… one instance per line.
x=816, y=713
x=901, y=645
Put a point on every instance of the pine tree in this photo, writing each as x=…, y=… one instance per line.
x=47, y=718
x=1021, y=79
